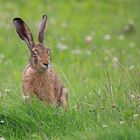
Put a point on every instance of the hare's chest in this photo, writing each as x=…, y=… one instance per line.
x=45, y=85
x=38, y=82
x=42, y=83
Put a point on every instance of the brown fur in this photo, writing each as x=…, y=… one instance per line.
x=39, y=78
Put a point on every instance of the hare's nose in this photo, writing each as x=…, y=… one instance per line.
x=45, y=64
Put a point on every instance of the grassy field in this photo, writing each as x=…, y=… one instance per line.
x=95, y=49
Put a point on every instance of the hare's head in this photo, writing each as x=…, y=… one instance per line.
x=40, y=55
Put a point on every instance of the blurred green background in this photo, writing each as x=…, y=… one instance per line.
x=95, y=49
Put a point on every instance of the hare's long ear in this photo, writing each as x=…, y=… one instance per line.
x=42, y=27
x=23, y=32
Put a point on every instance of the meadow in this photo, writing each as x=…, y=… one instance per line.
x=95, y=50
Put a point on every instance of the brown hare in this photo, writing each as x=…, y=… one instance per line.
x=39, y=78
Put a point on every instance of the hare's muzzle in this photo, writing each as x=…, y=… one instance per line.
x=46, y=65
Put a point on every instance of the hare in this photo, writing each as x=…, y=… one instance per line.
x=39, y=78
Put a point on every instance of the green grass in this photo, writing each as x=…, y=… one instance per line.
x=102, y=76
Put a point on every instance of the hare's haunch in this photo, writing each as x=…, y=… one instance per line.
x=39, y=78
